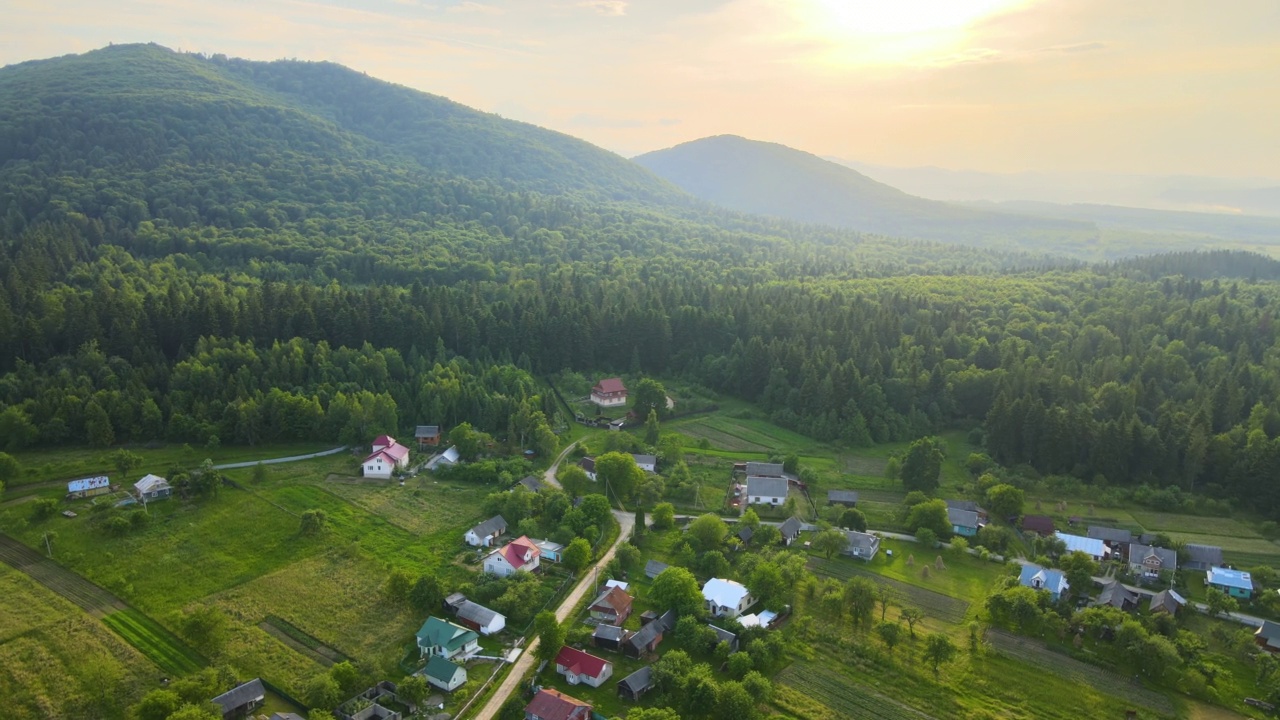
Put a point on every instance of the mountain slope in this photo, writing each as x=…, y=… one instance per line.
x=108, y=107
x=773, y=179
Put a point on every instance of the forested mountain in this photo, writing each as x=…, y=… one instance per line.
x=195, y=250
x=776, y=180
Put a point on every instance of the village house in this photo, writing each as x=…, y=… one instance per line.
x=530, y=483
x=609, y=393
x=647, y=639
x=152, y=487
x=579, y=667
x=443, y=674
x=963, y=522
x=387, y=457
x=1092, y=547
x=88, y=487
x=1203, y=557
x=726, y=598
x=241, y=700
x=551, y=704
x=588, y=466
x=745, y=533
x=1117, y=596
x=647, y=463
x=1166, y=601
x=427, y=436
x=453, y=601
x=654, y=568
x=759, y=469
x=766, y=490
x=620, y=584
x=1236, y=583
x=969, y=506
x=1267, y=636
x=613, y=606
x=634, y=686
x=608, y=637
x=550, y=550
x=1148, y=562
x=848, y=498
x=1116, y=540
x=1039, y=524
x=480, y=618
x=520, y=554
x=485, y=533
x=863, y=546
x=726, y=637
x=790, y=530
x=442, y=638
x=1047, y=579
x=445, y=459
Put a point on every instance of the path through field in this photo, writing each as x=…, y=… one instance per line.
x=934, y=604
x=277, y=461
x=549, y=477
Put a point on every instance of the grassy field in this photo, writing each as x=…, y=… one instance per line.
x=1164, y=522
x=70, y=463
x=159, y=645
x=57, y=662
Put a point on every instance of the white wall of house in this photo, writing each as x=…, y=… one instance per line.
x=378, y=468
x=766, y=500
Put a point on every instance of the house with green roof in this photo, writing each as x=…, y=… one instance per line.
x=442, y=638
x=444, y=674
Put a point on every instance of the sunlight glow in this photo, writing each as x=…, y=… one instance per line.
x=856, y=32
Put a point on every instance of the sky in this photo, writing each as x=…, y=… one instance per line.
x=1182, y=87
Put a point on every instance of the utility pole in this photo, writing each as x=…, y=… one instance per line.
x=48, y=548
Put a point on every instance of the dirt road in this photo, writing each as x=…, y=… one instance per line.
x=549, y=477
x=527, y=661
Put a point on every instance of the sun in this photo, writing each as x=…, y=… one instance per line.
x=896, y=31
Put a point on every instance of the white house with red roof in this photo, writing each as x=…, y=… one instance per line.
x=519, y=554
x=609, y=392
x=580, y=667
x=387, y=457
x=551, y=704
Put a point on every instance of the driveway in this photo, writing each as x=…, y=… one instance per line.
x=276, y=461
x=512, y=681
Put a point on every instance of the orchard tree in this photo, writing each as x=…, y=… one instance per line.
x=619, y=473
x=664, y=516
x=911, y=616
x=313, y=522
x=125, y=462
x=574, y=480
x=938, y=649
x=1079, y=570
x=649, y=397
x=930, y=514
x=550, y=633
x=853, y=519
x=652, y=431
x=577, y=556
x=426, y=594
x=676, y=589
x=831, y=542
x=1005, y=501
x=708, y=531
x=922, y=465
x=397, y=587
x=890, y=634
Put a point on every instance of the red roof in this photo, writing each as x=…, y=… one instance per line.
x=516, y=551
x=609, y=385
x=551, y=704
x=581, y=663
x=384, y=441
x=616, y=599
x=395, y=452
x=1038, y=523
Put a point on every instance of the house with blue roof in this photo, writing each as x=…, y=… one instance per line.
x=1236, y=583
x=1093, y=547
x=1047, y=579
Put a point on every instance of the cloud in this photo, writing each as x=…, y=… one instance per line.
x=606, y=7
x=1075, y=48
x=474, y=7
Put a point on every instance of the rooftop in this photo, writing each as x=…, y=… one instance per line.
x=1076, y=543
x=495, y=524
x=765, y=469
x=609, y=385
x=1230, y=577
x=766, y=486
x=842, y=496
x=552, y=704
x=962, y=518
x=578, y=662
x=724, y=593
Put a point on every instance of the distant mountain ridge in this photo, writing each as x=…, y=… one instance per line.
x=772, y=179
x=81, y=108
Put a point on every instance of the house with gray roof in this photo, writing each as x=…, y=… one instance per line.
x=1203, y=557
x=760, y=469
x=1117, y=596
x=608, y=637
x=790, y=529
x=647, y=463
x=485, y=533
x=1166, y=601
x=1148, y=562
x=530, y=483
x=969, y=506
x=647, y=638
x=242, y=699
x=963, y=522
x=653, y=568
x=725, y=636
x=1267, y=636
x=635, y=685
x=481, y=618
x=766, y=490
x=848, y=498
x=863, y=546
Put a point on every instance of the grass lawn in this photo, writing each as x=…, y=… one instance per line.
x=56, y=661
x=966, y=577
x=1164, y=522
x=159, y=645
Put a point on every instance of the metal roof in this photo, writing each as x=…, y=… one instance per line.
x=766, y=486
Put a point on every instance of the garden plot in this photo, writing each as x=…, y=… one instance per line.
x=839, y=694
x=934, y=604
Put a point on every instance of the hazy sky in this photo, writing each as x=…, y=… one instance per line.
x=1137, y=86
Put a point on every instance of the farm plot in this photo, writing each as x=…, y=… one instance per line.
x=299, y=640
x=889, y=497
x=862, y=465
x=422, y=506
x=157, y=644
x=1034, y=652
x=1230, y=545
x=934, y=604
x=719, y=439
x=840, y=695
x=1170, y=522
x=88, y=596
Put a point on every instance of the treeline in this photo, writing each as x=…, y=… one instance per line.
x=229, y=391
